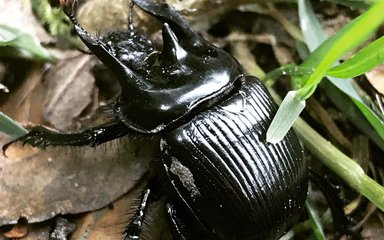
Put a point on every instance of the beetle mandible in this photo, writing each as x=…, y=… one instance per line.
x=226, y=181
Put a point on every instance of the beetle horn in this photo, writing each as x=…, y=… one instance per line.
x=167, y=14
x=122, y=72
x=98, y=47
x=172, y=50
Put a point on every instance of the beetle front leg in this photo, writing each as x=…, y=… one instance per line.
x=134, y=228
x=42, y=137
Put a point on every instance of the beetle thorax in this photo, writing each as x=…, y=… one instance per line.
x=178, y=82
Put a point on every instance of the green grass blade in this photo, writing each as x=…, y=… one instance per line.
x=363, y=61
x=10, y=127
x=376, y=122
x=349, y=109
x=288, y=69
x=326, y=55
x=286, y=115
x=347, y=38
x=310, y=25
x=314, y=35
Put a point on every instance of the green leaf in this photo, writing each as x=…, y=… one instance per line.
x=351, y=35
x=289, y=69
x=377, y=124
x=363, y=61
x=286, y=115
x=310, y=26
x=10, y=127
x=314, y=34
x=28, y=45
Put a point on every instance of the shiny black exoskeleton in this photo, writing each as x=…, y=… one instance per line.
x=211, y=121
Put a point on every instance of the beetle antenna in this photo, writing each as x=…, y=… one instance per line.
x=130, y=17
x=70, y=8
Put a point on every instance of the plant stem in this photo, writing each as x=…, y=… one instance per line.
x=340, y=163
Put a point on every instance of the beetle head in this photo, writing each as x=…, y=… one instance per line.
x=188, y=75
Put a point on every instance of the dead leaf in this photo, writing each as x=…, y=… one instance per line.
x=24, y=104
x=40, y=184
x=109, y=223
x=69, y=87
x=20, y=230
x=39, y=231
x=376, y=78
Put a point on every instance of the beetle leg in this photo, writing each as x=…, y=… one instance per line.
x=330, y=193
x=174, y=222
x=130, y=16
x=134, y=228
x=42, y=137
x=70, y=7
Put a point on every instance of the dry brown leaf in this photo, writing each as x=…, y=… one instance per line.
x=38, y=231
x=19, y=230
x=70, y=86
x=40, y=184
x=24, y=104
x=376, y=78
x=109, y=223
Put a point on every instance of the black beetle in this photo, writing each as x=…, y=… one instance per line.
x=226, y=181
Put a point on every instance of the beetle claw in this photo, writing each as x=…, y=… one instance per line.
x=5, y=147
x=25, y=139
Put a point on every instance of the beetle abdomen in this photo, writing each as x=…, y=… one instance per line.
x=235, y=183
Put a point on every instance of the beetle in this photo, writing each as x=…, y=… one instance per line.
x=225, y=181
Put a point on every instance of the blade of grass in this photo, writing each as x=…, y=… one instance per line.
x=363, y=61
x=326, y=55
x=287, y=113
x=314, y=35
x=10, y=127
x=347, y=38
x=377, y=124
